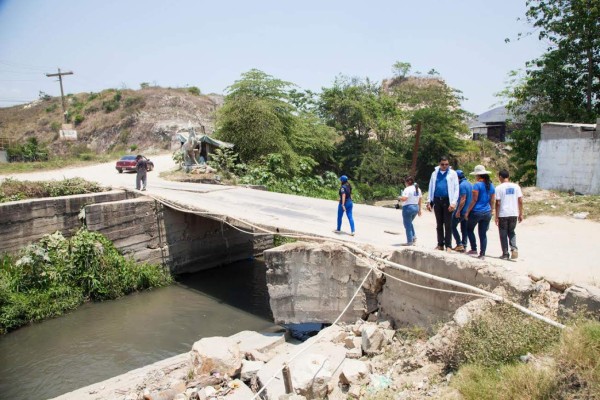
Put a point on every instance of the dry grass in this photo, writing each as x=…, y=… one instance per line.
x=547, y=202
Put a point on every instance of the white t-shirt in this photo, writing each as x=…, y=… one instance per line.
x=508, y=193
x=409, y=192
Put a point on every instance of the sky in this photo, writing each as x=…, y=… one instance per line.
x=209, y=44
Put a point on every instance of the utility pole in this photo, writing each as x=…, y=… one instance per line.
x=62, y=94
x=413, y=169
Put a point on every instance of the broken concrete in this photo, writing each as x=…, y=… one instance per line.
x=580, y=299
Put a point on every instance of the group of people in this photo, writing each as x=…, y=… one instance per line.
x=459, y=206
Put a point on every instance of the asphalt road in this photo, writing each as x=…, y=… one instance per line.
x=562, y=249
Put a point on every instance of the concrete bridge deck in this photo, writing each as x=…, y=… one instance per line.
x=559, y=249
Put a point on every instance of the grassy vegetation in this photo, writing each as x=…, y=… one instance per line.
x=54, y=162
x=562, y=203
x=13, y=190
x=57, y=274
x=566, y=364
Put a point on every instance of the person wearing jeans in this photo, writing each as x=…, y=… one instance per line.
x=345, y=205
x=465, y=190
x=479, y=212
x=411, y=207
x=443, y=197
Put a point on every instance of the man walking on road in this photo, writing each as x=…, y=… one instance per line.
x=443, y=196
x=509, y=211
x=141, y=167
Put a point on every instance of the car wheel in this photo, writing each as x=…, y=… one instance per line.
x=120, y=170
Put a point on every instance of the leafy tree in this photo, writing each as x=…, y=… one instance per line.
x=564, y=83
x=401, y=69
x=263, y=115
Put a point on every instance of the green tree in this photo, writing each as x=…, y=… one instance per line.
x=263, y=115
x=564, y=83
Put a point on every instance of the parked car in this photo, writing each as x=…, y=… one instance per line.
x=127, y=163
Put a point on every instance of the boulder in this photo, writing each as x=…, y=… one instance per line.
x=311, y=376
x=250, y=341
x=464, y=314
x=250, y=369
x=216, y=354
x=373, y=339
x=354, y=372
x=580, y=299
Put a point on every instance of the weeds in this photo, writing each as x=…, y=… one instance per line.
x=13, y=190
x=500, y=337
x=56, y=274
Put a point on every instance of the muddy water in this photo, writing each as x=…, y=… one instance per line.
x=101, y=340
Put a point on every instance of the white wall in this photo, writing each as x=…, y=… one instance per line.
x=569, y=158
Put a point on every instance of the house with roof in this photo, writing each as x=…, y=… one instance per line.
x=496, y=124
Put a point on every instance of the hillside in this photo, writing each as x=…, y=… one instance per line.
x=112, y=120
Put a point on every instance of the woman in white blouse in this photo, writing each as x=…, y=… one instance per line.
x=411, y=207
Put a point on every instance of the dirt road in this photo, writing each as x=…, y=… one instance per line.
x=561, y=249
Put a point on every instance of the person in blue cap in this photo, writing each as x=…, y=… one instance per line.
x=465, y=193
x=345, y=205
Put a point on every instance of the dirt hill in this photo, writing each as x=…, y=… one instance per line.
x=112, y=120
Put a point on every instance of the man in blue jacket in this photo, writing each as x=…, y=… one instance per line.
x=443, y=197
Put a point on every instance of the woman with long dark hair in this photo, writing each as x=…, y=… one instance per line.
x=411, y=207
x=479, y=212
x=345, y=205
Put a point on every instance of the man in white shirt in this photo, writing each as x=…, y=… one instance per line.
x=509, y=211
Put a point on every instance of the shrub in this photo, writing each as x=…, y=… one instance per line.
x=78, y=119
x=194, y=90
x=55, y=126
x=57, y=274
x=12, y=190
x=51, y=108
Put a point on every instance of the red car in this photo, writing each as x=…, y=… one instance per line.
x=127, y=163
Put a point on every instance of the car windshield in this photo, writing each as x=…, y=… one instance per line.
x=128, y=158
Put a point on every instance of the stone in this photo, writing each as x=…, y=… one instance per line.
x=311, y=376
x=465, y=313
x=385, y=324
x=581, y=215
x=355, y=392
x=256, y=355
x=372, y=339
x=208, y=391
x=250, y=341
x=354, y=354
x=168, y=394
x=349, y=342
x=216, y=354
x=354, y=372
x=239, y=391
x=357, y=328
x=177, y=385
x=291, y=396
x=580, y=298
x=389, y=335
x=250, y=369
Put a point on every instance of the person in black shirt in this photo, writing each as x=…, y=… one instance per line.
x=345, y=205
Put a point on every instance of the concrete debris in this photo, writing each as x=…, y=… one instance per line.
x=216, y=354
x=373, y=339
x=355, y=372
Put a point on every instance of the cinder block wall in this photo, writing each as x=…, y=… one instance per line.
x=140, y=227
x=569, y=158
x=23, y=222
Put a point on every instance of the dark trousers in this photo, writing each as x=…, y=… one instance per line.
x=482, y=221
x=462, y=237
x=443, y=218
x=506, y=227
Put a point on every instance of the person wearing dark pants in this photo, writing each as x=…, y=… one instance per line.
x=479, y=212
x=465, y=190
x=443, y=197
x=141, y=167
x=509, y=211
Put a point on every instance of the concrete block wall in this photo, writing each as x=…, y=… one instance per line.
x=410, y=305
x=132, y=225
x=569, y=158
x=23, y=222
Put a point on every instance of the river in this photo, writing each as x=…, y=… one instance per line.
x=101, y=340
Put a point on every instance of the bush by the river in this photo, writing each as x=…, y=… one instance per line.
x=13, y=190
x=57, y=274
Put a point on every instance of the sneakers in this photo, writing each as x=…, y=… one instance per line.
x=352, y=234
x=505, y=256
x=143, y=189
x=407, y=244
x=460, y=248
x=514, y=254
x=414, y=240
x=472, y=252
x=337, y=231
